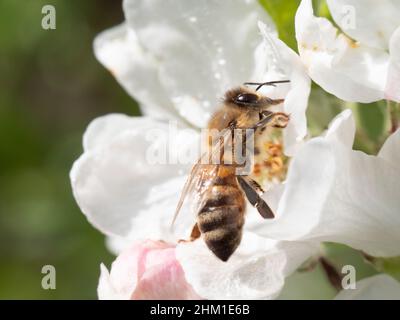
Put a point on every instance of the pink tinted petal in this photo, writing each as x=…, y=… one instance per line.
x=128, y=268
x=147, y=270
x=164, y=279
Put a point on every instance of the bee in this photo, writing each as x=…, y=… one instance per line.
x=218, y=193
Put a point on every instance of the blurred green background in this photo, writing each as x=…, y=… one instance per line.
x=51, y=88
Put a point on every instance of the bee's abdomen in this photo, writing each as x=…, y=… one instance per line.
x=221, y=220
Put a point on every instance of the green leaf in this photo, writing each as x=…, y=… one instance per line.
x=322, y=108
x=342, y=255
x=390, y=266
x=372, y=119
x=322, y=9
x=283, y=14
x=372, y=124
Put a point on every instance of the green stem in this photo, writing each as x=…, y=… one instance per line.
x=390, y=265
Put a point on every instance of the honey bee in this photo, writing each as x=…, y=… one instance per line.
x=217, y=192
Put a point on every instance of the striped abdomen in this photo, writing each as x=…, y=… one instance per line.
x=221, y=218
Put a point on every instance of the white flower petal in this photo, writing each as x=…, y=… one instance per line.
x=342, y=129
x=351, y=71
x=119, y=51
x=391, y=149
x=116, y=244
x=120, y=188
x=337, y=194
x=379, y=287
x=257, y=269
x=254, y=222
x=285, y=64
x=198, y=57
x=302, y=171
x=392, y=91
x=371, y=22
x=103, y=130
x=106, y=289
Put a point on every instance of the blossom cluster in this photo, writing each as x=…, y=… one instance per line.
x=177, y=59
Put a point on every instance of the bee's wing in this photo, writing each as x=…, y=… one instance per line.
x=201, y=177
x=196, y=189
x=191, y=183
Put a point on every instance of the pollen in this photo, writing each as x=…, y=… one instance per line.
x=352, y=44
x=273, y=149
x=275, y=161
x=270, y=163
x=274, y=164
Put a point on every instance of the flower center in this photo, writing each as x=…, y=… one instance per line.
x=270, y=163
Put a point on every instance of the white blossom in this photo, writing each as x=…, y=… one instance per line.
x=364, y=68
x=334, y=193
x=176, y=61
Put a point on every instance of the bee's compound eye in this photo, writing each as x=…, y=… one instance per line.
x=246, y=98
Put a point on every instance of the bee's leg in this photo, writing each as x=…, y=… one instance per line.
x=253, y=192
x=232, y=125
x=274, y=102
x=275, y=119
x=265, y=114
x=195, y=234
x=255, y=185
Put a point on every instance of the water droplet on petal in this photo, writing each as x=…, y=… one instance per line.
x=206, y=104
x=193, y=19
x=217, y=75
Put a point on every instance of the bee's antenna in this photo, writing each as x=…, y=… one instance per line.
x=261, y=84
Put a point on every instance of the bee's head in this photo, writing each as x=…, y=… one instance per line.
x=246, y=97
